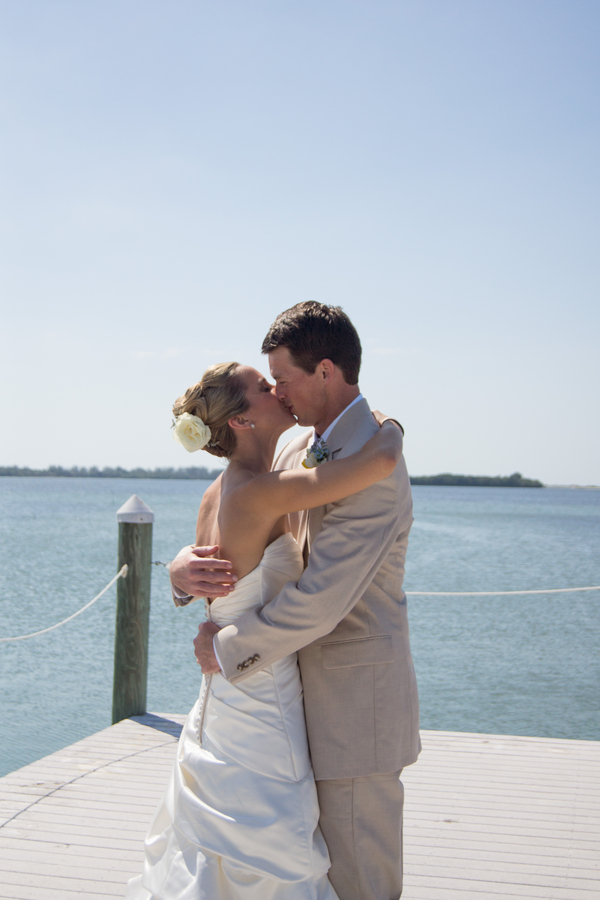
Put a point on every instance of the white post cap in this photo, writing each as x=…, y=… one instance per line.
x=135, y=510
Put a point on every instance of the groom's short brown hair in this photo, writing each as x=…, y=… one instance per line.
x=313, y=331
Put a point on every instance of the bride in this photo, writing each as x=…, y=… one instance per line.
x=239, y=819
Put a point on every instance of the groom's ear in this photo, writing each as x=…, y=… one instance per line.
x=326, y=369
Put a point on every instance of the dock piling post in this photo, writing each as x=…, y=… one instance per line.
x=133, y=610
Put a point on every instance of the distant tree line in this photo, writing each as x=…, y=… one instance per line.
x=195, y=472
x=514, y=480
x=200, y=473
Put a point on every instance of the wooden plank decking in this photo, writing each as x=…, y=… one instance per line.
x=485, y=816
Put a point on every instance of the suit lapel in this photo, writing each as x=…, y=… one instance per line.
x=306, y=525
x=347, y=426
x=302, y=516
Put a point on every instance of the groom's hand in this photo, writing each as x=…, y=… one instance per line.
x=193, y=572
x=204, y=650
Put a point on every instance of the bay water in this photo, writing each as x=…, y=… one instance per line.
x=522, y=665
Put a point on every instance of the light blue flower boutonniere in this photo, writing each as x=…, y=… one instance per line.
x=316, y=454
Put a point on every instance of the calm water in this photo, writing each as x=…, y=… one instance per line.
x=515, y=665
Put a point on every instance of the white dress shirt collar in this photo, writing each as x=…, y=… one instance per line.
x=328, y=430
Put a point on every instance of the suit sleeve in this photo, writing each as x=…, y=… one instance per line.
x=356, y=536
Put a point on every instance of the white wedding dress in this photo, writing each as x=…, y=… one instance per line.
x=239, y=819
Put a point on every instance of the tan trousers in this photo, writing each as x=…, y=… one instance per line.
x=361, y=821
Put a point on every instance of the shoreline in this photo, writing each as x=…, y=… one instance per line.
x=203, y=474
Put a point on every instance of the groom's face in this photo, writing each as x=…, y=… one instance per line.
x=303, y=394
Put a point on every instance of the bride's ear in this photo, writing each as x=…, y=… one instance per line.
x=240, y=423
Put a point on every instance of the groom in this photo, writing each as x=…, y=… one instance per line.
x=346, y=616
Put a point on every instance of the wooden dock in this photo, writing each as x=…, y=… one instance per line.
x=485, y=816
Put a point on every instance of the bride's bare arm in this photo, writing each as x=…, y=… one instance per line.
x=277, y=493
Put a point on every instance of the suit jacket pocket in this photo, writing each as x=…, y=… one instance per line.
x=371, y=651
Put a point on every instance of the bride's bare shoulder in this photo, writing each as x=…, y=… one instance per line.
x=221, y=505
x=223, y=487
x=212, y=494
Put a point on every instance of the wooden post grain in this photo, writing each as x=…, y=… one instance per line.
x=133, y=610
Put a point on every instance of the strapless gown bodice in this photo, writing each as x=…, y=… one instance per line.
x=281, y=562
x=239, y=819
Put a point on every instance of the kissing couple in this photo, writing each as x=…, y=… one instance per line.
x=287, y=782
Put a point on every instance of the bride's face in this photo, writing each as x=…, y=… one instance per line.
x=265, y=411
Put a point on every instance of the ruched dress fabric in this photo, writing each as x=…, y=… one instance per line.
x=239, y=818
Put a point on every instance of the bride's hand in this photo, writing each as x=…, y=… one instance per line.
x=193, y=572
x=380, y=418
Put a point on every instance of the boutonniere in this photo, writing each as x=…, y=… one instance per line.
x=317, y=453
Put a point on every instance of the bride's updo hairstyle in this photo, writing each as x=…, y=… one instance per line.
x=217, y=397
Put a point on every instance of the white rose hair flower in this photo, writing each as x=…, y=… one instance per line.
x=191, y=432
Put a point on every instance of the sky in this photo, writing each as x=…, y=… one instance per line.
x=175, y=174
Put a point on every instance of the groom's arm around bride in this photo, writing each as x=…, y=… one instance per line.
x=347, y=618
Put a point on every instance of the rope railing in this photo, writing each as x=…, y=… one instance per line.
x=123, y=572
x=467, y=593
x=22, y=637
x=498, y=593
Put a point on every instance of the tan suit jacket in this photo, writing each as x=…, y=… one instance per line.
x=347, y=617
